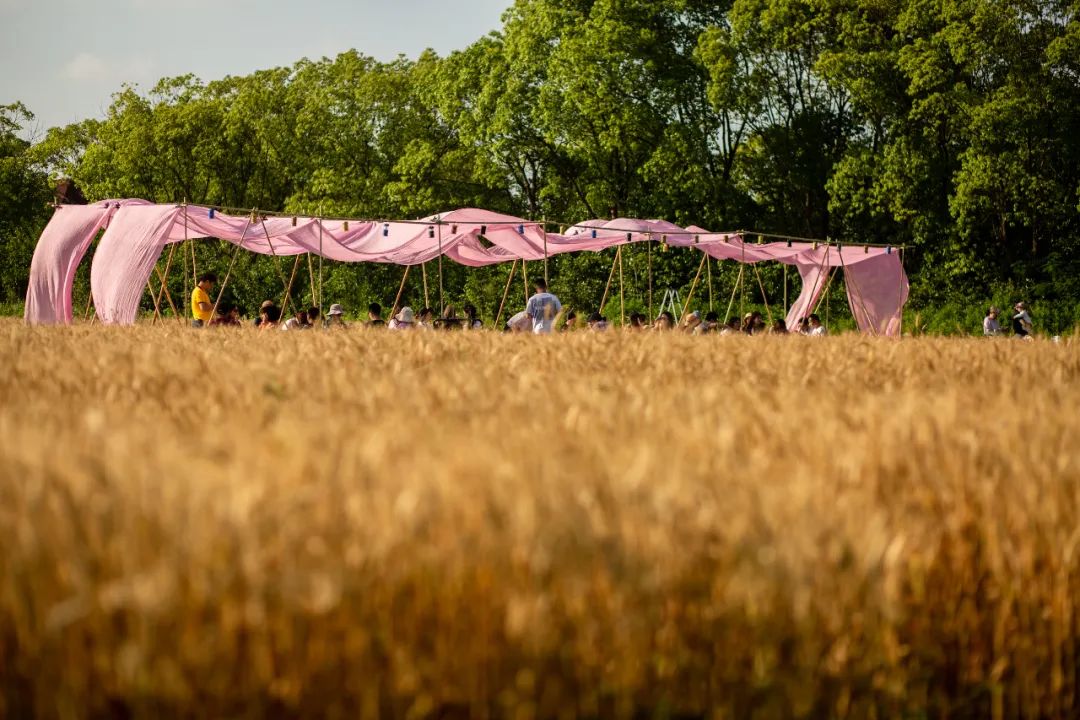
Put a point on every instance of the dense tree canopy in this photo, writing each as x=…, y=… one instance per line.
x=949, y=126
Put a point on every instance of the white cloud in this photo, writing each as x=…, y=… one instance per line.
x=86, y=66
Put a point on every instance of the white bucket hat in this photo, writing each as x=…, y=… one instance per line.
x=335, y=310
x=405, y=315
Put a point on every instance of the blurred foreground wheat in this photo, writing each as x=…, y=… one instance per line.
x=358, y=524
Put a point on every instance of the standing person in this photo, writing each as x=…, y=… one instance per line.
x=816, y=328
x=991, y=326
x=201, y=306
x=1022, y=324
x=374, y=315
x=542, y=308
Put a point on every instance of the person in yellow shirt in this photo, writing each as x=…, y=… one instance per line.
x=201, y=305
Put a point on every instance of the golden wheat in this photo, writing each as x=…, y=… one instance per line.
x=368, y=524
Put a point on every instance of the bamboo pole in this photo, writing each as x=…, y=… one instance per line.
x=442, y=297
x=89, y=300
x=506, y=293
x=320, y=304
x=611, y=275
x=164, y=286
x=423, y=272
x=764, y=297
x=311, y=279
x=693, y=285
x=742, y=286
x=547, y=279
x=228, y=272
x=277, y=265
x=288, y=287
x=525, y=280
x=622, y=289
x=157, y=308
x=708, y=272
x=401, y=289
x=734, y=290
x=649, y=247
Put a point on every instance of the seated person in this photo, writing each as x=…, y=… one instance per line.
x=269, y=316
x=299, y=321
x=404, y=320
x=336, y=316
x=597, y=322
x=472, y=322
x=664, y=321
x=374, y=314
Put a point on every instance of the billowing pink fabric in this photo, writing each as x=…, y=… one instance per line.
x=56, y=258
x=59, y=251
x=138, y=232
x=125, y=257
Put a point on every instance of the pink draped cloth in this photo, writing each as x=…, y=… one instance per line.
x=138, y=232
x=59, y=251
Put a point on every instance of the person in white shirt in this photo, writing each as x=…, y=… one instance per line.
x=816, y=328
x=542, y=308
x=520, y=322
x=404, y=320
x=1021, y=322
x=297, y=322
x=991, y=326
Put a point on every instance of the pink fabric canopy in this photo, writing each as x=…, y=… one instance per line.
x=137, y=232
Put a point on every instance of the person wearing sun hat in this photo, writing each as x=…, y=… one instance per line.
x=1022, y=324
x=404, y=320
x=335, y=317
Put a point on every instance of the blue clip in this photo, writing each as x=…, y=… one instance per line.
x=521, y=229
x=594, y=232
x=888, y=250
x=211, y=213
x=386, y=230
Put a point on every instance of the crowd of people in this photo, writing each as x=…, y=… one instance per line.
x=543, y=313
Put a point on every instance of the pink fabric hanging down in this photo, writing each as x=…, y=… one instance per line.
x=138, y=231
x=125, y=257
x=61, y=248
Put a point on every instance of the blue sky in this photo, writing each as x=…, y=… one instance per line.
x=64, y=58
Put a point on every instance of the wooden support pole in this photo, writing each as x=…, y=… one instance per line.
x=742, y=286
x=277, y=265
x=525, y=280
x=622, y=289
x=401, y=289
x=228, y=272
x=693, y=285
x=649, y=246
x=734, y=290
x=163, y=277
x=764, y=297
x=311, y=279
x=320, y=304
x=442, y=297
x=89, y=301
x=708, y=272
x=423, y=272
x=157, y=307
x=547, y=280
x=506, y=293
x=610, y=277
x=289, y=285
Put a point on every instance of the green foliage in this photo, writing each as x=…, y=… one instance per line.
x=948, y=126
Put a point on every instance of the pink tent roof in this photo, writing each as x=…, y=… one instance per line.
x=137, y=232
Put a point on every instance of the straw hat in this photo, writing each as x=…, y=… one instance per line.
x=405, y=315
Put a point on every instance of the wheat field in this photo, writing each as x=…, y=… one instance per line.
x=366, y=524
